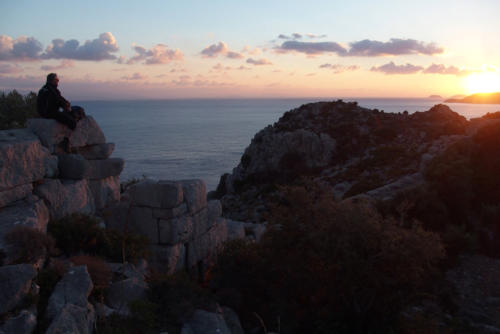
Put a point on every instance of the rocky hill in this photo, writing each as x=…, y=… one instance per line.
x=479, y=98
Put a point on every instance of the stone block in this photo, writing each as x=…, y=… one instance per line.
x=76, y=167
x=214, y=210
x=170, y=213
x=73, y=319
x=22, y=159
x=116, y=215
x=23, y=323
x=51, y=133
x=97, y=151
x=157, y=194
x=141, y=221
x=15, y=194
x=235, y=230
x=174, y=231
x=105, y=191
x=15, y=283
x=201, y=222
x=195, y=194
x=74, y=288
x=66, y=197
x=173, y=257
x=121, y=293
x=30, y=212
x=205, y=247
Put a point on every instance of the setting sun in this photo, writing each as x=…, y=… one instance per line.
x=484, y=82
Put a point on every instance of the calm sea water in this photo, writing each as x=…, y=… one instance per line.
x=183, y=139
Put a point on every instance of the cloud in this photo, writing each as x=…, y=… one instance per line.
x=248, y=50
x=158, y=54
x=395, y=47
x=20, y=49
x=97, y=49
x=65, y=63
x=261, y=61
x=135, y=76
x=220, y=67
x=312, y=48
x=243, y=68
x=391, y=68
x=222, y=49
x=442, y=69
x=10, y=69
x=364, y=48
x=313, y=36
x=337, y=68
x=295, y=35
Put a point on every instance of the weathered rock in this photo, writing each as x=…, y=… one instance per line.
x=105, y=191
x=176, y=230
x=51, y=133
x=11, y=195
x=76, y=167
x=214, y=210
x=141, y=221
x=128, y=270
x=30, y=212
x=121, y=293
x=66, y=197
x=202, y=223
x=255, y=231
x=97, y=151
x=170, y=213
x=232, y=320
x=74, y=288
x=157, y=194
x=195, y=194
x=23, y=323
x=15, y=284
x=173, y=257
x=206, y=246
x=203, y=322
x=73, y=319
x=116, y=215
x=235, y=230
x=22, y=159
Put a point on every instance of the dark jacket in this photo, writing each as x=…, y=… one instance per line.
x=49, y=101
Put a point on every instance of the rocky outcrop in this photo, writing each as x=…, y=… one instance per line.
x=342, y=146
x=205, y=322
x=23, y=323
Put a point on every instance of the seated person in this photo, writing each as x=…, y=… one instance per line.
x=50, y=100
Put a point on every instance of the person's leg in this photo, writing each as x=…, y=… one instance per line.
x=77, y=112
x=65, y=118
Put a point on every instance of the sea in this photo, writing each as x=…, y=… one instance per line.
x=205, y=138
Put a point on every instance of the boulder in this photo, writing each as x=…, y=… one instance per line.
x=76, y=167
x=121, y=293
x=23, y=159
x=232, y=320
x=214, y=210
x=97, y=151
x=30, y=212
x=255, y=231
x=176, y=230
x=157, y=194
x=23, y=323
x=173, y=257
x=73, y=319
x=204, y=322
x=195, y=194
x=74, y=288
x=206, y=246
x=14, y=194
x=105, y=191
x=51, y=133
x=66, y=197
x=15, y=285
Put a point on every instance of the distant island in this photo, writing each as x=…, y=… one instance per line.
x=436, y=97
x=479, y=98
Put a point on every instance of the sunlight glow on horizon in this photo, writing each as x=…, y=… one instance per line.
x=482, y=82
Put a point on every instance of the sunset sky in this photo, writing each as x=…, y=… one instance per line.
x=218, y=49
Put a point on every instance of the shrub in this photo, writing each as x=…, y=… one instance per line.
x=81, y=233
x=26, y=244
x=15, y=109
x=333, y=267
x=99, y=271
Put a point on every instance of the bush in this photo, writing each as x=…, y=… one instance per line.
x=26, y=244
x=15, y=109
x=327, y=266
x=81, y=233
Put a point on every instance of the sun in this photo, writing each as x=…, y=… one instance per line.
x=482, y=82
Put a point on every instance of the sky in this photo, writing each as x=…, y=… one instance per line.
x=258, y=49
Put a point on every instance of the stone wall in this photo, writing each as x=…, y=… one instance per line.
x=43, y=179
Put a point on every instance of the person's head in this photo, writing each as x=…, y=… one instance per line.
x=53, y=79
